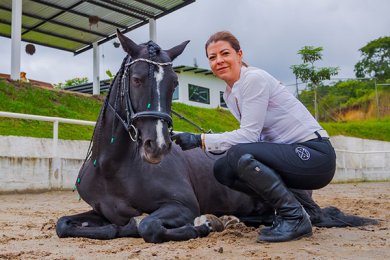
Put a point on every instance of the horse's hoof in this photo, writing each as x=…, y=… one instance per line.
x=228, y=220
x=214, y=223
x=203, y=230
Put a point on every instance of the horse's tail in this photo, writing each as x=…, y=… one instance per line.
x=333, y=217
x=330, y=216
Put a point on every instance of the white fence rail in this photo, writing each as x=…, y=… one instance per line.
x=55, y=120
x=38, y=163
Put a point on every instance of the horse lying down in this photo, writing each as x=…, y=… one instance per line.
x=133, y=169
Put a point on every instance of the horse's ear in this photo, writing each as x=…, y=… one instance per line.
x=177, y=50
x=128, y=45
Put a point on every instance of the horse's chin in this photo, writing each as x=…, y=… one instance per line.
x=151, y=159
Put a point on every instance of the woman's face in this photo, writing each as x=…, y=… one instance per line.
x=224, y=61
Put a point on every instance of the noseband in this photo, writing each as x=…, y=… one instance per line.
x=132, y=116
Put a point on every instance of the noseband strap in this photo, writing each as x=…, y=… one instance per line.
x=132, y=116
x=148, y=61
x=154, y=114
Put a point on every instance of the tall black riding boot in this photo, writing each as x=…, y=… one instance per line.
x=292, y=222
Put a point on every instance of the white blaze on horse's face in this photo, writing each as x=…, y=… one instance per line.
x=159, y=75
x=160, y=136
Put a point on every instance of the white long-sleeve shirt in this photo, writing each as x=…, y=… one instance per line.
x=266, y=110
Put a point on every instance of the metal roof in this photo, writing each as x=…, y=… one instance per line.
x=70, y=25
x=196, y=70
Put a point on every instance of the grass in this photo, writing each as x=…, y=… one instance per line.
x=24, y=98
x=217, y=120
x=368, y=129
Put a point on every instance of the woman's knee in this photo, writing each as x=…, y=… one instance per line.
x=223, y=172
x=234, y=154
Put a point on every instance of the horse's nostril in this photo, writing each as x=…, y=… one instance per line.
x=148, y=144
x=152, y=146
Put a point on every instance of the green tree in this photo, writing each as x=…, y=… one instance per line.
x=110, y=75
x=310, y=74
x=375, y=59
x=72, y=82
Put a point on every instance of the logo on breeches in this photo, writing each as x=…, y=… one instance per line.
x=303, y=153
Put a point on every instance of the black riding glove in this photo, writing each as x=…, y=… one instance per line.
x=187, y=141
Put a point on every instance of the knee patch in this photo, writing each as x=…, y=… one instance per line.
x=234, y=154
x=245, y=161
x=223, y=172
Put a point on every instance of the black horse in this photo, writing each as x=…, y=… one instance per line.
x=132, y=168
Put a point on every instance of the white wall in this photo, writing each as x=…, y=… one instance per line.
x=26, y=164
x=211, y=82
x=361, y=159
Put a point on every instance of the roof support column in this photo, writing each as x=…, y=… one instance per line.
x=16, y=35
x=152, y=30
x=96, y=69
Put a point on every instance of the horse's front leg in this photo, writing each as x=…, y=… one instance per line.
x=171, y=222
x=92, y=225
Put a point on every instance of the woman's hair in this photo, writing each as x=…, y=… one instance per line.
x=224, y=36
x=227, y=37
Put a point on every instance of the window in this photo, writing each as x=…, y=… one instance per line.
x=198, y=94
x=175, y=95
x=221, y=100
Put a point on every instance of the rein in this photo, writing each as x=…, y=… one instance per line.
x=131, y=116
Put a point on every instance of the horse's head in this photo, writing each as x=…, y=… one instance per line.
x=147, y=85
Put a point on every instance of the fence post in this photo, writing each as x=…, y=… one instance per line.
x=55, y=157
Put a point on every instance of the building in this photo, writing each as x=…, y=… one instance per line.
x=198, y=87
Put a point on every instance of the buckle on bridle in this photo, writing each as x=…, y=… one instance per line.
x=133, y=133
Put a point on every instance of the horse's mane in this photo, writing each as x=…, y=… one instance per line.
x=119, y=74
x=101, y=113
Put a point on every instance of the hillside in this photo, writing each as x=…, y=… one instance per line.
x=28, y=99
x=350, y=100
x=24, y=98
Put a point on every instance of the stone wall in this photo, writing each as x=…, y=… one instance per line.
x=27, y=164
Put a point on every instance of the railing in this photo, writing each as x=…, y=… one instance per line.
x=342, y=154
x=88, y=87
x=56, y=121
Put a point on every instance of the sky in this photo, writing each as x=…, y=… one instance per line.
x=270, y=33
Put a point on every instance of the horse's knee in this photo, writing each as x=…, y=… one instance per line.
x=68, y=226
x=151, y=231
x=62, y=227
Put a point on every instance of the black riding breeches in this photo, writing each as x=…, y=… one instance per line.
x=309, y=165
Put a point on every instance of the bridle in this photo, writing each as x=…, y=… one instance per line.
x=131, y=115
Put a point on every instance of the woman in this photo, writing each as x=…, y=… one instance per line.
x=279, y=144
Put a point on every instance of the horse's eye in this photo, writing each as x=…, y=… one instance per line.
x=136, y=81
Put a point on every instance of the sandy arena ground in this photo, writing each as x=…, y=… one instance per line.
x=27, y=224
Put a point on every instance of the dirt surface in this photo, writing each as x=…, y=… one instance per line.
x=27, y=224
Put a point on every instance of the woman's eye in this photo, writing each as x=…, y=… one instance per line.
x=211, y=58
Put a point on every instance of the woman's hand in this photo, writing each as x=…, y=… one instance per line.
x=187, y=141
